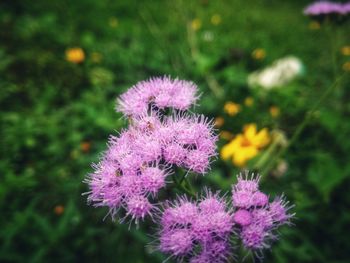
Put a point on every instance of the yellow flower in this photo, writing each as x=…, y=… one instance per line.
x=346, y=66
x=196, y=24
x=215, y=19
x=219, y=121
x=246, y=146
x=274, y=111
x=345, y=50
x=232, y=108
x=113, y=22
x=253, y=137
x=249, y=101
x=259, y=54
x=75, y=55
x=314, y=25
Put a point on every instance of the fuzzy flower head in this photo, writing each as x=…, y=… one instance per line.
x=319, y=8
x=243, y=217
x=218, y=225
x=211, y=203
x=174, y=153
x=104, y=185
x=153, y=179
x=248, y=183
x=206, y=223
x=279, y=210
x=147, y=123
x=257, y=218
x=157, y=93
x=139, y=160
x=254, y=237
x=328, y=11
x=191, y=143
x=180, y=213
x=177, y=242
x=138, y=207
x=213, y=219
x=214, y=252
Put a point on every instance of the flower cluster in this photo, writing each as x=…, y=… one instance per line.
x=256, y=217
x=324, y=8
x=155, y=94
x=246, y=146
x=137, y=162
x=162, y=136
x=197, y=231
x=201, y=231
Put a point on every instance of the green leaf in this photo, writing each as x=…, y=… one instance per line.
x=325, y=174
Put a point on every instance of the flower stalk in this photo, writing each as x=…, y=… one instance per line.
x=308, y=117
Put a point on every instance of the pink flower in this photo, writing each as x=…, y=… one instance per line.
x=157, y=93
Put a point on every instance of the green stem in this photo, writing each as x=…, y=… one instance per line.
x=333, y=39
x=301, y=127
x=190, y=185
x=267, y=154
x=182, y=187
x=183, y=177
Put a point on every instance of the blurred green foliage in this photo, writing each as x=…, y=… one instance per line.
x=56, y=116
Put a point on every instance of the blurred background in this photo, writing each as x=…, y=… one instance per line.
x=257, y=63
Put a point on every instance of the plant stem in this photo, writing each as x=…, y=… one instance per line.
x=182, y=187
x=332, y=35
x=182, y=178
x=266, y=155
x=301, y=127
x=189, y=185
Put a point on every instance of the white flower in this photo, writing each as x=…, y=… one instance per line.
x=280, y=73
